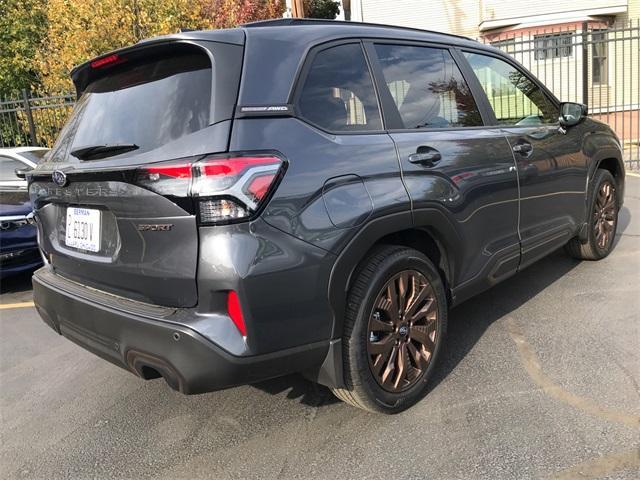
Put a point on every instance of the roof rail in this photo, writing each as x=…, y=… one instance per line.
x=281, y=22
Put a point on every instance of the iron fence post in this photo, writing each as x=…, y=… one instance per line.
x=585, y=63
x=27, y=109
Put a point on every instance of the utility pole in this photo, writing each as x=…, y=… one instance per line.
x=297, y=8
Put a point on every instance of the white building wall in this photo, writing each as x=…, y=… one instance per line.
x=449, y=16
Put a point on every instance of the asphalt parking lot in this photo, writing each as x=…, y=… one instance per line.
x=539, y=379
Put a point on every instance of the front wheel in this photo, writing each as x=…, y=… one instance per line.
x=602, y=221
x=394, y=328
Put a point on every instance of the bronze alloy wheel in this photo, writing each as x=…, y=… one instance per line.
x=402, y=331
x=604, y=213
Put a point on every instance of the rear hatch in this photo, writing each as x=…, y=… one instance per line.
x=100, y=223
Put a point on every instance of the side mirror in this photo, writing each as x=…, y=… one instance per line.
x=572, y=114
x=22, y=172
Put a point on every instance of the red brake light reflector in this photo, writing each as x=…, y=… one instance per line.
x=235, y=312
x=108, y=60
x=173, y=171
x=259, y=186
x=234, y=166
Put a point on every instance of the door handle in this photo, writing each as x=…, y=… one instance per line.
x=425, y=156
x=523, y=148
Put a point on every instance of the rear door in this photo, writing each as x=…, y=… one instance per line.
x=101, y=222
x=450, y=161
x=552, y=168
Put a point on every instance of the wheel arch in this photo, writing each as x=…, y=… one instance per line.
x=427, y=230
x=609, y=159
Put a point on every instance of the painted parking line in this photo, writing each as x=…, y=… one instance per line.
x=602, y=466
x=532, y=366
x=633, y=174
x=7, y=306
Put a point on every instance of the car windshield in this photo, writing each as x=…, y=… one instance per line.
x=34, y=155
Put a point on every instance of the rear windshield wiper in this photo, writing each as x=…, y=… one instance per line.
x=95, y=152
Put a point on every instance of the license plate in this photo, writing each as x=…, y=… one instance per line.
x=83, y=229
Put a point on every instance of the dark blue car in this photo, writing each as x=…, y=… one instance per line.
x=18, y=239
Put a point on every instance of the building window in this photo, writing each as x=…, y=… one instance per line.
x=555, y=45
x=599, y=57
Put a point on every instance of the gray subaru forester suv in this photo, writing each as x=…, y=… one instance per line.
x=228, y=206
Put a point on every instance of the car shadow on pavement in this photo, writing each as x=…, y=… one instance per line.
x=624, y=219
x=467, y=324
x=300, y=389
x=469, y=320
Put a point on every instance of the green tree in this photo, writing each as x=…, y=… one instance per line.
x=80, y=29
x=23, y=25
x=321, y=9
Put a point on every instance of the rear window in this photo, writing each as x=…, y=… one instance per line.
x=149, y=104
x=338, y=93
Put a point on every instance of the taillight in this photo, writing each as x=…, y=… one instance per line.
x=224, y=189
x=112, y=59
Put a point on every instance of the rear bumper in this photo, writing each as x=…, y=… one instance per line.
x=148, y=341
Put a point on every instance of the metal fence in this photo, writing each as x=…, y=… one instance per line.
x=592, y=63
x=33, y=120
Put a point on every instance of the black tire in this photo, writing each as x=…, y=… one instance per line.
x=590, y=249
x=381, y=267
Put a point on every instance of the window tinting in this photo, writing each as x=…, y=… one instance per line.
x=427, y=87
x=8, y=168
x=338, y=93
x=514, y=97
x=148, y=103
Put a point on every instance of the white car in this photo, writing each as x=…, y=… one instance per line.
x=18, y=158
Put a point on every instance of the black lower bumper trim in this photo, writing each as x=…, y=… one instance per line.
x=149, y=348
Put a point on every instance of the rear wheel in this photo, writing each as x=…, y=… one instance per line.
x=394, y=327
x=602, y=220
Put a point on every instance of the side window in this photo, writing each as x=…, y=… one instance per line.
x=338, y=93
x=427, y=87
x=514, y=97
x=8, y=168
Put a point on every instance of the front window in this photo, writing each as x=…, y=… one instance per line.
x=515, y=98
